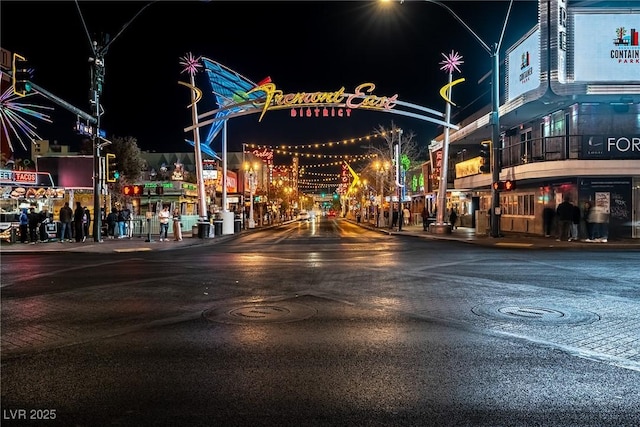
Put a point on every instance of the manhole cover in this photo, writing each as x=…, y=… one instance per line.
x=260, y=313
x=537, y=314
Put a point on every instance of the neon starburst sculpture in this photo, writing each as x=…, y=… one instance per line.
x=451, y=62
x=191, y=64
x=14, y=115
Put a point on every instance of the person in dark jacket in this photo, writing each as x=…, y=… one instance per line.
x=86, y=225
x=586, y=217
x=453, y=218
x=45, y=218
x=548, y=215
x=34, y=225
x=24, y=226
x=78, y=213
x=112, y=221
x=66, y=216
x=564, y=212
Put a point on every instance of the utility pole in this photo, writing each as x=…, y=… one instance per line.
x=97, y=79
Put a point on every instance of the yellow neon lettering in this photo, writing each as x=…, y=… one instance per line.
x=370, y=101
x=270, y=90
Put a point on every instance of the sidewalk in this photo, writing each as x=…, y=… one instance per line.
x=468, y=235
x=463, y=234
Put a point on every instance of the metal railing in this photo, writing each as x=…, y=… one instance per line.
x=545, y=149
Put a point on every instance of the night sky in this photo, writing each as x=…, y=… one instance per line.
x=304, y=46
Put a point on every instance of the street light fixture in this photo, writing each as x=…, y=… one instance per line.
x=381, y=173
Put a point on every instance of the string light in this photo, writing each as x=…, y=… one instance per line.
x=330, y=179
x=285, y=149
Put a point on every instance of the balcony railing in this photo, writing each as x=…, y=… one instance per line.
x=544, y=149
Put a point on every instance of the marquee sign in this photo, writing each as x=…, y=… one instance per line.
x=362, y=98
x=21, y=177
x=238, y=96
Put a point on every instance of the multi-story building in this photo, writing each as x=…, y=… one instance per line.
x=569, y=121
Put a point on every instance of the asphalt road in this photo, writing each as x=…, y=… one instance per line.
x=321, y=324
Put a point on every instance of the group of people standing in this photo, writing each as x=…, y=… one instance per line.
x=74, y=224
x=33, y=225
x=121, y=220
x=569, y=217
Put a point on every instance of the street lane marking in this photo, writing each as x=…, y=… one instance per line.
x=132, y=250
x=518, y=245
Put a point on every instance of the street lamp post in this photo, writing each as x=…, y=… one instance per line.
x=397, y=150
x=251, y=169
x=495, y=110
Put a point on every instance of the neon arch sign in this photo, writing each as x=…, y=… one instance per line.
x=238, y=96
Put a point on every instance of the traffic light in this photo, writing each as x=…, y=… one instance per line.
x=498, y=185
x=21, y=75
x=98, y=74
x=485, y=157
x=133, y=190
x=112, y=168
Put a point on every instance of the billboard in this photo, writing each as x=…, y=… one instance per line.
x=606, y=47
x=524, y=66
x=68, y=171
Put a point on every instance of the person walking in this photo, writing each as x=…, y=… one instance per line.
x=406, y=215
x=66, y=215
x=453, y=217
x=177, y=230
x=163, y=217
x=564, y=213
x=78, y=215
x=24, y=226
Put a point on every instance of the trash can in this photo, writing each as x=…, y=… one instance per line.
x=194, y=230
x=217, y=227
x=203, y=230
x=13, y=235
x=237, y=225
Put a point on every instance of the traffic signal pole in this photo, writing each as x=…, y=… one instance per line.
x=97, y=75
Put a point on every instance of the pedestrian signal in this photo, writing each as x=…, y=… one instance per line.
x=507, y=185
x=133, y=190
